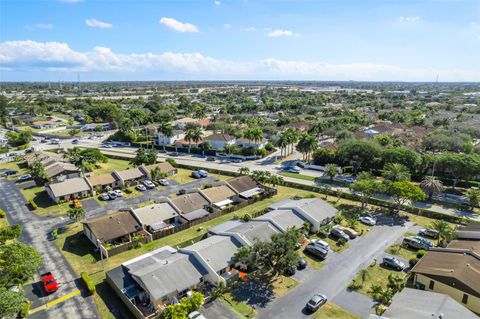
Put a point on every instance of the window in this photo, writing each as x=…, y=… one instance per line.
x=465, y=299
x=431, y=285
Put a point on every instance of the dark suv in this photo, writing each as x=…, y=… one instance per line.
x=316, y=251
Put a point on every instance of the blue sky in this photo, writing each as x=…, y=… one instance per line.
x=235, y=40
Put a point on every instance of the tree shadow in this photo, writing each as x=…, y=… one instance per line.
x=78, y=244
x=256, y=292
x=114, y=304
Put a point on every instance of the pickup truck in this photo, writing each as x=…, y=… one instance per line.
x=49, y=283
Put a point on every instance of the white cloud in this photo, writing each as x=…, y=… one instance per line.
x=178, y=26
x=280, y=33
x=94, y=23
x=250, y=29
x=227, y=25
x=217, y=3
x=409, y=19
x=45, y=26
x=41, y=57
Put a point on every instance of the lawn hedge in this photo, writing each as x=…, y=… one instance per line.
x=88, y=282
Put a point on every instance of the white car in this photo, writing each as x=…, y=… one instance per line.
x=321, y=243
x=141, y=187
x=367, y=220
x=163, y=182
x=104, y=196
x=148, y=183
x=118, y=193
x=196, y=315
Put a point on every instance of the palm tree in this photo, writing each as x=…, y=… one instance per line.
x=244, y=171
x=364, y=275
x=205, y=146
x=307, y=144
x=445, y=231
x=376, y=291
x=275, y=180
x=431, y=186
x=282, y=143
x=396, y=172
x=193, y=135
x=76, y=213
x=473, y=196
x=331, y=170
x=292, y=137
x=166, y=129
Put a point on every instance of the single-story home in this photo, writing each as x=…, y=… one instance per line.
x=182, y=123
x=42, y=125
x=44, y=157
x=59, y=171
x=116, y=228
x=283, y=219
x=314, y=210
x=103, y=182
x=243, y=142
x=246, y=232
x=69, y=189
x=245, y=186
x=130, y=176
x=189, y=202
x=220, y=196
x=420, y=304
x=169, y=140
x=194, y=215
x=164, y=167
x=219, y=141
x=454, y=271
x=470, y=231
x=158, y=216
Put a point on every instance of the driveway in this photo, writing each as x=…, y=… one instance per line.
x=34, y=233
x=338, y=272
x=216, y=309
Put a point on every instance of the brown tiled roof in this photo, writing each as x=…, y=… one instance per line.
x=164, y=167
x=113, y=226
x=220, y=137
x=242, y=183
x=69, y=186
x=189, y=202
x=473, y=245
x=44, y=157
x=129, y=174
x=104, y=179
x=57, y=168
x=459, y=270
x=218, y=193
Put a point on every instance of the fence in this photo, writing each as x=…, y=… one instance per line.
x=124, y=247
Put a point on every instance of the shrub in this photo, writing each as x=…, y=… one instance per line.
x=246, y=217
x=341, y=242
x=412, y=262
x=25, y=310
x=269, y=147
x=33, y=205
x=88, y=282
x=420, y=253
x=207, y=186
x=128, y=190
x=322, y=233
x=171, y=161
x=2, y=213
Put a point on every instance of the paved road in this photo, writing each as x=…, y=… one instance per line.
x=35, y=231
x=339, y=271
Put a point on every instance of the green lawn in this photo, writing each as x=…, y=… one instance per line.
x=21, y=167
x=377, y=275
x=400, y=251
x=334, y=245
x=183, y=176
x=282, y=285
x=332, y=311
x=297, y=176
x=112, y=165
x=239, y=307
x=312, y=261
x=45, y=205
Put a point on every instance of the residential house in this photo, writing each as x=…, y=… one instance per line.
x=194, y=215
x=454, y=271
x=189, y=202
x=42, y=125
x=419, y=304
x=283, y=219
x=76, y=187
x=95, y=127
x=169, y=140
x=182, y=123
x=114, y=228
x=46, y=158
x=242, y=142
x=470, y=231
x=246, y=232
x=245, y=186
x=104, y=182
x=158, y=216
x=164, y=167
x=130, y=176
x=220, y=196
x=314, y=210
x=60, y=171
x=219, y=141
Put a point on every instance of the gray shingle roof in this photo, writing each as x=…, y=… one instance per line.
x=189, y=202
x=156, y=213
x=69, y=186
x=285, y=218
x=255, y=230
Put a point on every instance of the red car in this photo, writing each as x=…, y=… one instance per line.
x=49, y=283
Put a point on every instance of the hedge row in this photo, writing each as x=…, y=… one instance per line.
x=88, y=282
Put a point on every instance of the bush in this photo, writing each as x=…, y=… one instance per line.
x=25, y=310
x=88, y=282
x=2, y=213
x=322, y=233
x=420, y=253
x=412, y=262
x=171, y=161
x=128, y=190
x=269, y=147
x=207, y=186
x=341, y=242
x=33, y=205
x=246, y=218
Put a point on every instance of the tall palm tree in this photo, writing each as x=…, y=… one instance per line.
x=445, y=231
x=396, y=172
x=292, y=137
x=166, y=129
x=331, y=170
x=282, y=143
x=244, y=171
x=307, y=144
x=431, y=186
x=193, y=135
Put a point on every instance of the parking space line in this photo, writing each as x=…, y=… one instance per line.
x=55, y=301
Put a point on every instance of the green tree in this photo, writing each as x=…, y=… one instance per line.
x=445, y=232
x=144, y=156
x=359, y=153
x=331, y=170
x=404, y=191
x=364, y=275
x=306, y=145
x=37, y=170
x=244, y=171
x=176, y=311
x=193, y=303
x=19, y=138
x=459, y=165
x=18, y=263
x=366, y=187
x=473, y=196
x=431, y=186
x=156, y=174
x=165, y=129
x=9, y=232
x=73, y=132
x=11, y=302
x=376, y=291
x=396, y=172
x=76, y=213
x=193, y=135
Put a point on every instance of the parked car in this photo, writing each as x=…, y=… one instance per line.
x=203, y=173
x=302, y=263
x=322, y=244
x=424, y=241
x=236, y=160
x=196, y=315
x=367, y=220
x=118, y=193
x=290, y=271
x=393, y=262
x=141, y=187
x=24, y=178
x=174, y=154
x=211, y=159
x=163, y=182
x=75, y=141
x=316, y=251
x=316, y=302
x=415, y=243
x=49, y=283
x=55, y=141
x=338, y=233
x=77, y=203
x=196, y=175
x=352, y=233
x=104, y=196
x=182, y=191
x=148, y=183
x=112, y=195
x=427, y=232
x=293, y=170
x=10, y=172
